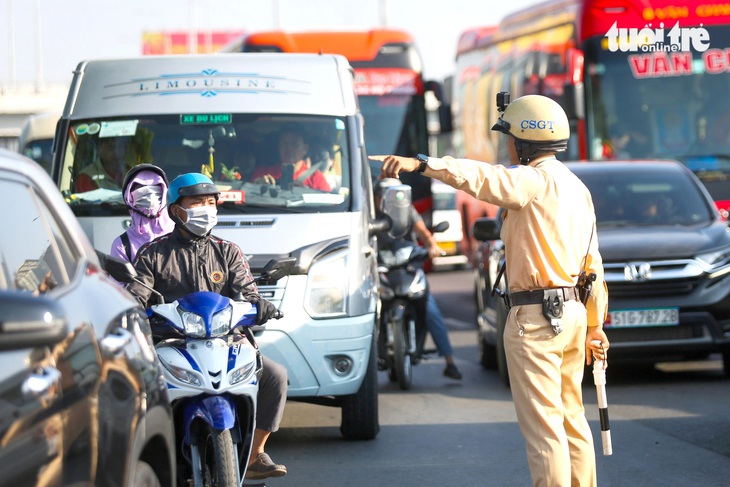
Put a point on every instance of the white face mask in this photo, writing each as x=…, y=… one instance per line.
x=201, y=219
x=147, y=197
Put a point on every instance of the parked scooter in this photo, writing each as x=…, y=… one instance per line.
x=212, y=366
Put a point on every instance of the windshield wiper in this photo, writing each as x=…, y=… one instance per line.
x=244, y=208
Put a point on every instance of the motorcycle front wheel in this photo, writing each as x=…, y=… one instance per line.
x=218, y=459
x=401, y=358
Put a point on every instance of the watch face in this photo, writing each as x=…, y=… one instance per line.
x=422, y=157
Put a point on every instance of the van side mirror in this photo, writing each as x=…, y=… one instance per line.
x=397, y=207
x=30, y=321
x=275, y=269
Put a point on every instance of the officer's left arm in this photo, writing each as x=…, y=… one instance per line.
x=597, y=305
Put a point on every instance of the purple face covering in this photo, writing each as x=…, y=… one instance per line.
x=145, y=229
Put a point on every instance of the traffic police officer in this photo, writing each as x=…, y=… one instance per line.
x=549, y=237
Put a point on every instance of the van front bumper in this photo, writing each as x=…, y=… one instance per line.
x=314, y=350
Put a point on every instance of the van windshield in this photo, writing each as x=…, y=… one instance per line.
x=261, y=163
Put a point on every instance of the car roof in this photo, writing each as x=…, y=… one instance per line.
x=625, y=166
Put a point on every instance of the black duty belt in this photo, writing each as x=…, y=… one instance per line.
x=536, y=296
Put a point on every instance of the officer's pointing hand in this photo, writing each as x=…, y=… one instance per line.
x=394, y=165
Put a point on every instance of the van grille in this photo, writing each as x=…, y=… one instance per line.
x=267, y=222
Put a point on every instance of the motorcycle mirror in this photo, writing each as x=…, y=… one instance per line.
x=123, y=271
x=440, y=227
x=119, y=269
x=396, y=206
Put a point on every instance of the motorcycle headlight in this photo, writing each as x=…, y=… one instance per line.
x=221, y=322
x=182, y=375
x=327, y=291
x=242, y=373
x=194, y=324
x=419, y=285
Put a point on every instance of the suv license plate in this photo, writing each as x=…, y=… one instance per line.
x=643, y=317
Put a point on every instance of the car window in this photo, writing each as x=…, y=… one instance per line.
x=653, y=198
x=34, y=256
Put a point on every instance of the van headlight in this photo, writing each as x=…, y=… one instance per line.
x=328, y=287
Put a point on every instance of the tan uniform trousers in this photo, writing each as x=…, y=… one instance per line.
x=546, y=372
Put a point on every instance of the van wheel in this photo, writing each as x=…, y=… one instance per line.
x=145, y=476
x=360, y=410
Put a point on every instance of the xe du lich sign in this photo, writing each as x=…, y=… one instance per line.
x=179, y=42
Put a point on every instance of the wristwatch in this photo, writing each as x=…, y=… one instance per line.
x=423, y=159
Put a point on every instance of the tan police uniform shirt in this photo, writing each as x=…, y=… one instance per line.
x=547, y=226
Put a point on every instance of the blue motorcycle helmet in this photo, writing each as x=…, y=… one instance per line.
x=191, y=184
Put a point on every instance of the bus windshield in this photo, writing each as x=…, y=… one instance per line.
x=261, y=163
x=662, y=105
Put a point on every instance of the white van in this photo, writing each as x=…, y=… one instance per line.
x=221, y=115
x=445, y=209
x=36, y=138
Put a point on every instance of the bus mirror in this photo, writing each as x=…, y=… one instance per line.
x=573, y=103
x=575, y=58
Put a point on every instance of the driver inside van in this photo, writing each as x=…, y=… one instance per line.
x=108, y=169
x=292, y=156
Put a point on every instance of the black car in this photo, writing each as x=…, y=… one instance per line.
x=666, y=256
x=82, y=398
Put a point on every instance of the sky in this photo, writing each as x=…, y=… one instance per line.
x=44, y=40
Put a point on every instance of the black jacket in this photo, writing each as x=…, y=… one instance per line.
x=176, y=266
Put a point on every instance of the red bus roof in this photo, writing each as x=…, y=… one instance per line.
x=595, y=17
x=471, y=38
x=355, y=45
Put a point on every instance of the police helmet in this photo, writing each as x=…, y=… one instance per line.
x=537, y=123
x=191, y=184
x=138, y=169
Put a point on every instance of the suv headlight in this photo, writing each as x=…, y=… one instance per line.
x=327, y=291
x=716, y=258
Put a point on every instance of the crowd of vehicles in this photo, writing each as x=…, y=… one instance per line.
x=222, y=115
x=666, y=257
x=82, y=398
x=625, y=99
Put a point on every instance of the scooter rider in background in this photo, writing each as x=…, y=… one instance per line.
x=145, y=192
x=190, y=259
x=549, y=236
x=434, y=319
